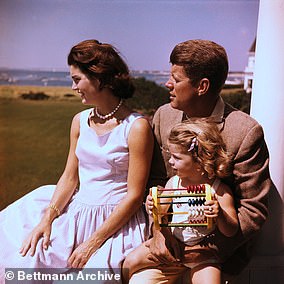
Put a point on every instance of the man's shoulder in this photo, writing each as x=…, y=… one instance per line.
x=168, y=108
x=238, y=118
x=239, y=126
x=168, y=113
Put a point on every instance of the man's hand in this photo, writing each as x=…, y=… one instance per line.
x=82, y=254
x=164, y=247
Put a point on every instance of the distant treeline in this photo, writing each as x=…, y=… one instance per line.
x=149, y=96
x=238, y=98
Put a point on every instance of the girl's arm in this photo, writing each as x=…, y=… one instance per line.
x=163, y=239
x=64, y=190
x=140, y=143
x=149, y=205
x=227, y=219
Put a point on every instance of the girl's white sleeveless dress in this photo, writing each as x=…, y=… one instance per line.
x=103, y=168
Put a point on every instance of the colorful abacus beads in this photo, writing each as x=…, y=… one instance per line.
x=199, y=188
x=197, y=195
x=196, y=201
x=195, y=212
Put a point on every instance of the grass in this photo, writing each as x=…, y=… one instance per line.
x=34, y=137
x=14, y=92
x=34, y=144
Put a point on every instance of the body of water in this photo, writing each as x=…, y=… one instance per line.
x=62, y=78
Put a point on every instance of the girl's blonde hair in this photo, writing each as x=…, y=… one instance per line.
x=203, y=141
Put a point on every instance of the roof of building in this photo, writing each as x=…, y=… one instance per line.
x=252, y=48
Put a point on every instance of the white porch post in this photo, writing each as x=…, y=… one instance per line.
x=268, y=85
x=267, y=108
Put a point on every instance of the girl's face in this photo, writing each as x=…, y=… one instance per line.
x=87, y=89
x=182, y=92
x=183, y=163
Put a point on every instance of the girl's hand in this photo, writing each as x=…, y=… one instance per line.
x=82, y=254
x=149, y=205
x=43, y=229
x=211, y=208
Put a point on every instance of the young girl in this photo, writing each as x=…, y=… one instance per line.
x=198, y=156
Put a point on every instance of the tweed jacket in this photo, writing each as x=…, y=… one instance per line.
x=250, y=183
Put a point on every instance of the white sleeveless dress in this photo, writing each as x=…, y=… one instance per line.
x=103, y=168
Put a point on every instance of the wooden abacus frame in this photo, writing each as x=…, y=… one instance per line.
x=195, y=191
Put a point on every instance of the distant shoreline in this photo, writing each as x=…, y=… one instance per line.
x=22, y=77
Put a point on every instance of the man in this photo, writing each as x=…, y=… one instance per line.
x=198, y=73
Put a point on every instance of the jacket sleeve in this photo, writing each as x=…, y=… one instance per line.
x=251, y=184
x=158, y=173
x=252, y=181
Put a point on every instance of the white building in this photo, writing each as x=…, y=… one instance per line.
x=248, y=74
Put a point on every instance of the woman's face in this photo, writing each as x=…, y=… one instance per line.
x=183, y=163
x=87, y=89
x=182, y=92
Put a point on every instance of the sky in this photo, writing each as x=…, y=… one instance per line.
x=38, y=34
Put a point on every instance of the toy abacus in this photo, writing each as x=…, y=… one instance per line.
x=197, y=195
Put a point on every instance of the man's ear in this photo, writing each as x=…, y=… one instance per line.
x=203, y=86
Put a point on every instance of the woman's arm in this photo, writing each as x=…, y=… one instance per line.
x=64, y=190
x=69, y=180
x=140, y=143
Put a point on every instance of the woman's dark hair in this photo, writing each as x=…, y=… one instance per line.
x=101, y=61
x=202, y=59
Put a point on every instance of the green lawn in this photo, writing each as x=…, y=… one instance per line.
x=34, y=141
x=34, y=135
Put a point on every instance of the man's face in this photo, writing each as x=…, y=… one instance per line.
x=182, y=92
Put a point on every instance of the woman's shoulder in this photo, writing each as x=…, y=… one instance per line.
x=136, y=119
x=139, y=132
x=85, y=112
x=78, y=121
x=138, y=124
x=82, y=115
x=133, y=116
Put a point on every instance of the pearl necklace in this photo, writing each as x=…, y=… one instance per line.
x=104, y=117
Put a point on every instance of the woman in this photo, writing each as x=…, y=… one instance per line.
x=110, y=155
